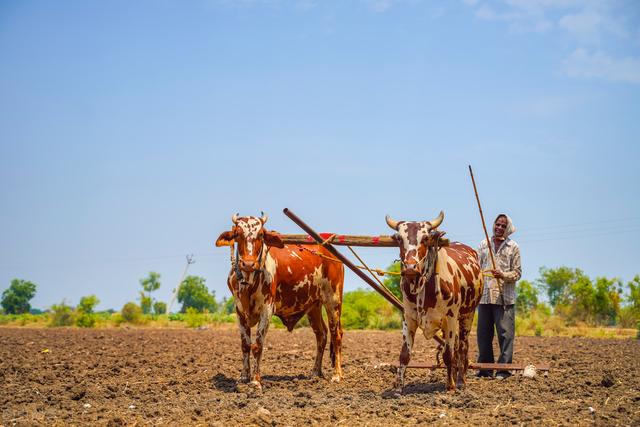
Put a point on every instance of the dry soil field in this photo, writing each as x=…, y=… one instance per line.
x=178, y=377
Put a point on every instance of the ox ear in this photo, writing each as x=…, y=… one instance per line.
x=271, y=238
x=226, y=239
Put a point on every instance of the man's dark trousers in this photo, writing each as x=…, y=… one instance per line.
x=503, y=318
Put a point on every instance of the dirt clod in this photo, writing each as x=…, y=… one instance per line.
x=607, y=379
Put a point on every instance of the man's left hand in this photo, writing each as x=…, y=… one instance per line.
x=497, y=274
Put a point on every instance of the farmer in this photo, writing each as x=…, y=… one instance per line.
x=496, y=309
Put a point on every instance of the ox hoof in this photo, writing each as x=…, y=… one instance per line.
x=256, y=385
x=336, y=379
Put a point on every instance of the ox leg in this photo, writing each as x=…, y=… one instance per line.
x=409, y=327
x=450, y=330
x=245, y=342
x=256, y=349
x=335, y=349
x=463, y=348
x=320, y=330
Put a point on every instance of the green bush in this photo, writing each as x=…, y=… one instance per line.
x=176, y=317
x=61, y=315
x=26, y=318
x=85, y=320
x=228, y=305
x=159, y=307
x=223, y=318
x=555, y=324
x=131, y=313
x=85, y=317
x=194, y=319
x=363, y=309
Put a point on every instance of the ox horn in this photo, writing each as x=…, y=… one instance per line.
x=263, y=217
x=436, y=222
x=392, y=223
x=234, y=218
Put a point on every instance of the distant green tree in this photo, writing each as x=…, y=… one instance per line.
x=85, y=309
x=228, y=305
x=145, y=303
x=527, y=297
x=606, y=300
x=88, y=304
x=579, y=299
x=392, y=281
x=149, y=284
x=159, y=307
x=557, y=282
x=194, y=293
x=15, y=299
x=630, y=313
x=596, y=303
x=634, y=293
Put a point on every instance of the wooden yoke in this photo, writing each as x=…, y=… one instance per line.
x=346, y=240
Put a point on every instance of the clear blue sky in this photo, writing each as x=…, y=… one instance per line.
x=130, y=132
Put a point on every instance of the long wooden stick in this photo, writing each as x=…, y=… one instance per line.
x=486, y=235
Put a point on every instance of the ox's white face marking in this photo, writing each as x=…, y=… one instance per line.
x=250, y=229
x=411, y=235
x=289, y=270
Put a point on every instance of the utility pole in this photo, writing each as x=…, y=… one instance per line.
x=190, y=260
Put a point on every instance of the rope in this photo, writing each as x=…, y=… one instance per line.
x=487, y=273
x=375, y=270
x=369, y=270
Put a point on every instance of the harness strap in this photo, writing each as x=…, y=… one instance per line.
x=262, y=260
x=429, y=269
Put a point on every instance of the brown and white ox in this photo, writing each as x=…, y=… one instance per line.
x=268, y=277
x=441, y=288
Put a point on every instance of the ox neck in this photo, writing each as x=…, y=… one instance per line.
x=427, y=271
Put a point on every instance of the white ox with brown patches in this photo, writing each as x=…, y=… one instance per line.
x=441, y=288
x=268, y=277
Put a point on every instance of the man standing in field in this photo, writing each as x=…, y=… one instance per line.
x=496, y=309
